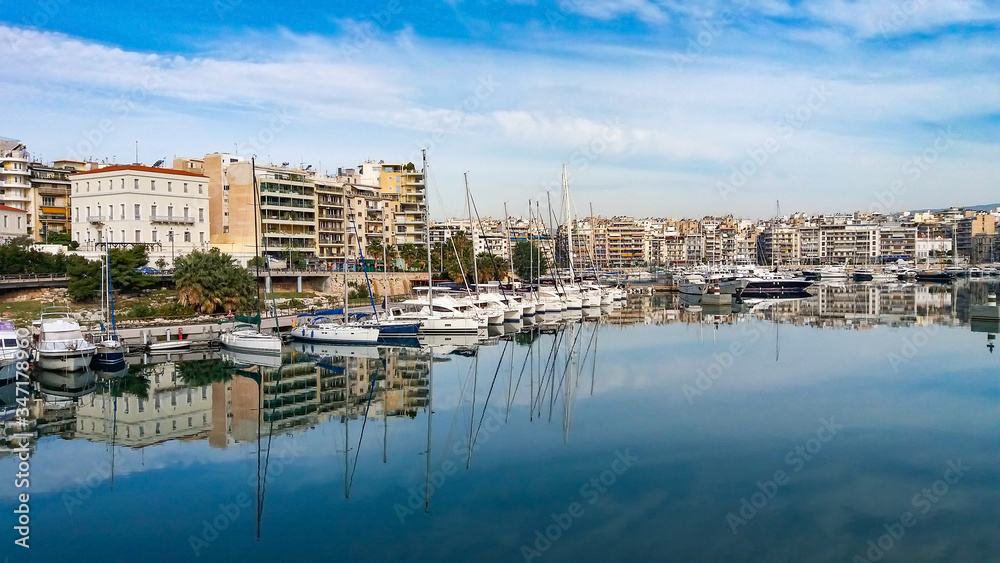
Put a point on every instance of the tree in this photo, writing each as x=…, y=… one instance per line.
x=124, y=263
x=373, y=250
x=210, y=281
x=526, y=253
x=411, y=254
x=18, y=257
x=491, y=266
x=84, y=278
x=452, y=267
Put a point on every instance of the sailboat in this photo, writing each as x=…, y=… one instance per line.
x=109, y=352
x=246, y=336
x=446, y=316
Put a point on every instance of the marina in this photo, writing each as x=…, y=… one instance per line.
x=425, y=443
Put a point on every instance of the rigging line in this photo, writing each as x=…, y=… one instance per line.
x=569, y=359
x=487, y=403
x=493, y=261
x=364, y=422
x=458, y=408
x=549, y=369
x=520, y=375
x=364, y=267
x=553, y=353
x=270, y=435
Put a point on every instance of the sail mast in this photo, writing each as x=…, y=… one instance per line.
x=568, y=216
x=427, y=223
x=472, y=233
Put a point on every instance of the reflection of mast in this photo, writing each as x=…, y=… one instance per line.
x=570, y=383
x=430, y=411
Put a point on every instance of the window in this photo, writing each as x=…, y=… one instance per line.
x=187, y=236
x=157, y=427
x=76, y=215
x=48, y=201
x=98, y=185
x=185, y=212
x=123, y=213
x=154, y=236
x=123, y=235
x=185, y=187
x=201, y=214
x=138, y=211
x=170, y=187
x=136, y=183
x=123, y=183
x=152, y=185
x=138, y=235
x=156, y=401
x=152, y=212
x=88, y=187
x=88, y=212
x=76, y=187
x=200, y=189
x=201, y=237
x=170, y=211
x=173, y=398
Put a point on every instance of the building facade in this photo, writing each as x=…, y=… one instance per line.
x=164, y=208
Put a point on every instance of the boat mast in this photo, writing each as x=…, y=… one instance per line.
x=347, y=246
x=568, y=215
x=510, y=249
x=427, y=224
x=472, y=237
x=257, y=233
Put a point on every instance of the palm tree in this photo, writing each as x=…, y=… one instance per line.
x=492, y=267
x=211, y=280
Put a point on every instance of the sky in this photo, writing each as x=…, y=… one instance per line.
x=658, y=108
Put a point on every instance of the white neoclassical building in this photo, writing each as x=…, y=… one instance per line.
x=141, y=204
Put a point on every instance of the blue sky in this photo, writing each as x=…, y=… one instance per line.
x=659, y=107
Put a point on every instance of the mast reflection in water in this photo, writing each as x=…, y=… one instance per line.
x=458, y=449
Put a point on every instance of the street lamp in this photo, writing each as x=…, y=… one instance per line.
x=171, y=235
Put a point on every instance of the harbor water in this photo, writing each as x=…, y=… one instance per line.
x=857, y=424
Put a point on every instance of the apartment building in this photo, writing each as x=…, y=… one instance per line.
x=161, y=207
x=283, y=222
x=15, y=182
x=967, y=228
x=49, y=209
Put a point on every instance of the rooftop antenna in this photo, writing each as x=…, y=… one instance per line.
x=137, y=152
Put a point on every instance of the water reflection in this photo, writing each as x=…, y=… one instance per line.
x=524, y=412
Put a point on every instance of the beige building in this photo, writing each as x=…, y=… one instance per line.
x=166, y=209
x=285, y=220
x=13, y=223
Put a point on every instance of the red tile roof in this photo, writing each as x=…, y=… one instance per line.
x=9, y=208
x=139, y=168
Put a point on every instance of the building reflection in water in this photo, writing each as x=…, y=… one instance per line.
x=205, y=395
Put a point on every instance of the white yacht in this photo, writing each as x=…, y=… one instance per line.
x=8, y=341
x=59, y=342
x=325, y=329
x=443, y=314
x=246, y=337
x=693, y=284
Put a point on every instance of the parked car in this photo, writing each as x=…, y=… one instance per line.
x=147, y=270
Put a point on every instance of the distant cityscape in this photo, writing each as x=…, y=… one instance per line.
x=197, y=203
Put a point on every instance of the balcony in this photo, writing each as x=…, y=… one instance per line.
x=171, y=220
x=95, y=218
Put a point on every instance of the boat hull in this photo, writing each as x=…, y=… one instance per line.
x=64, y=361
x=253, y=344
x=337, y=334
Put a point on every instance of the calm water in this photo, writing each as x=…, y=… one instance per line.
x=792, y=431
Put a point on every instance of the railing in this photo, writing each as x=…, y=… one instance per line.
x=171, y=219
x=13, y=278
x=96, y=218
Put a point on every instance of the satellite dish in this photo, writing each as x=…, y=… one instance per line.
x=158, y=163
